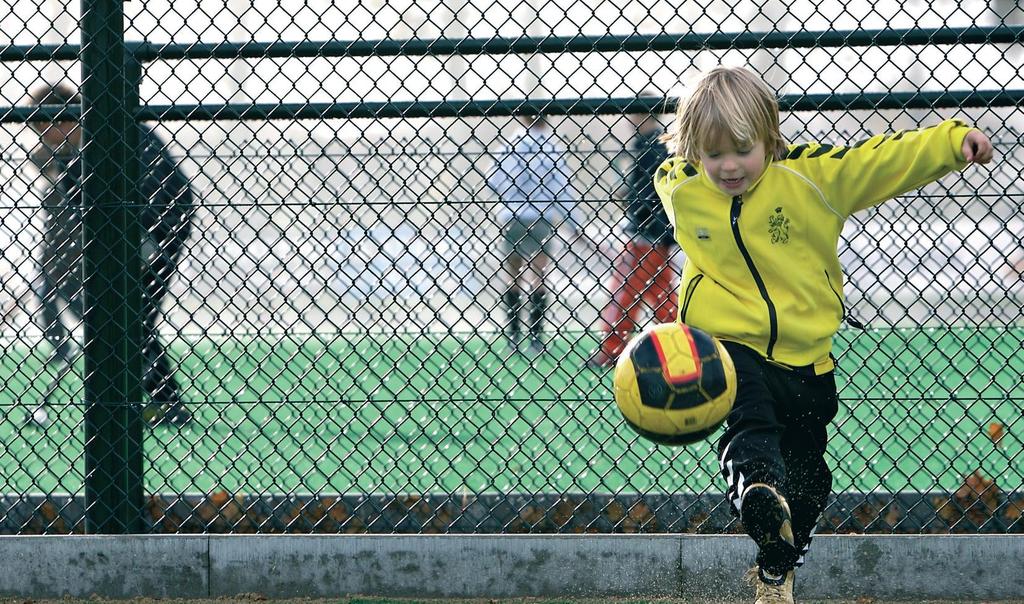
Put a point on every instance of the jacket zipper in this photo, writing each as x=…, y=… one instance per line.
x=773, y=319
x=842, y=307
x=690, y=288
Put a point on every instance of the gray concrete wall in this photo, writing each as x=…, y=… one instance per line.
x=186, y=566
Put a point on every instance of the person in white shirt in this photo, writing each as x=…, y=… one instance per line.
x=531, y=180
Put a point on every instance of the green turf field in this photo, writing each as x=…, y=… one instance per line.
x=448, y=413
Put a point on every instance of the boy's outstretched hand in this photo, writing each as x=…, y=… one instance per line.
x=977, y=149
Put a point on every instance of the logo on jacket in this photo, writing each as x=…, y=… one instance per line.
x=778, y=226
x=703, y=234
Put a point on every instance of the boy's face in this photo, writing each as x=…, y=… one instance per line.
x=733, y=168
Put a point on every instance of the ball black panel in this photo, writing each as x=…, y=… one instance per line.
x=712, y=378
x=645, y=355
x=653, y=390
x=649, y=382
x=704, y=344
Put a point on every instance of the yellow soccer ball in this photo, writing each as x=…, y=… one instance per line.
x=674, y=384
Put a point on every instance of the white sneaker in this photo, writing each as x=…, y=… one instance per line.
x=37, y=418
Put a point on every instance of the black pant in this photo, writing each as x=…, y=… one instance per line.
x=60, y=278
x=776, y=434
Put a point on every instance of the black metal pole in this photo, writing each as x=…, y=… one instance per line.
x=133, y=288
x=113, y=500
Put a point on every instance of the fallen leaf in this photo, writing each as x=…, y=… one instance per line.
x=219, y=498
x=996, y=433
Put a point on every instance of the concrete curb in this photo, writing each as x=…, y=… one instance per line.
x=193, y=566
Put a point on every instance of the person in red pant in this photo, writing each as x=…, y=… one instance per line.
x=643, y=273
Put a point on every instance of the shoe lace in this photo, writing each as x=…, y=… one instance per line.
x=773, y=592
x=767, y=591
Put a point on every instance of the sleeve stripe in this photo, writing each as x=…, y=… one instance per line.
x=844, y=150
x=822, y=150
x=797, y=151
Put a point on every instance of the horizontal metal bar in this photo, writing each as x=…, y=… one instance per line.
x=498, y=108
x=592, y=106
x=42, y=113
x=40, y=52
x=563, y=44
x=149, y=51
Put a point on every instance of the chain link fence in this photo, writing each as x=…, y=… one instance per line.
x=316, y=341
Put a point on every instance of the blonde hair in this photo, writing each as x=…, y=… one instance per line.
x=726, y=100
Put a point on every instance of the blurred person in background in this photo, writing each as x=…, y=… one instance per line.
x=166, y=219
x=531, y=180
x=643, y=271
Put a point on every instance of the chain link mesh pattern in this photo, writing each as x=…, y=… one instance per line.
x=321, y=312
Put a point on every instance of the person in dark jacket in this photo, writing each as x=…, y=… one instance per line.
x=166, y=220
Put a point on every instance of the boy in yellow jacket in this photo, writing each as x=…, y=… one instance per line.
x=759, y=221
